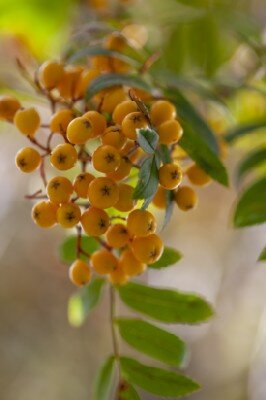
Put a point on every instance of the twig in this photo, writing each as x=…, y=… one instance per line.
x=103, y=243
x=42, y=173
x=149, y=62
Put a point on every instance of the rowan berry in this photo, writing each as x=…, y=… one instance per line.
x=132, y=122
x=79, y=131
x=84, y=81
x=44, y=214
x=186, y=198
x=81, y=184
x=95, y=221
x=27, y=121
x=68, y=215
x=115, y=42
x=198, y=176
x=142, y=94
x=106, y=159
x=131, y=150
x=118, y=276
x=103, y=192
x=117, y=236
x=141, y=223
x=50, y=74
x=28, y=159
x=122, y=171
x=111, y=98
x=67, y=84
x=123, y=109
x=162, y=111
x=170, y=176
x=64, y=156
x=79, y=273
x=160, y=198
x=169, y=132
x=114, y=137
x=147, y=249
x=97, y=121
x=130, y=264
x=104, y=262
x=59, y=190
x=8, y=107
x=126, y=201
x=102, y=63
x=60, y=120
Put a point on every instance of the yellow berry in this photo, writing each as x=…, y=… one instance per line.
x=67, y=84
x=141, y=223
x=147, y=249
x=122, y=171
x=8, y=107
x=64, y=156
x=102, y=63
x=162, y=111
x=104, y=262
x=123, y=109
x=186, y=198
x=131, y=151
x=79, y=131
x=160, y=198
x=50, y=74
x=106, y=159
x=197, y=176
x=130, y=264
x=79, y=273
x=125, y=202
x=68, y=215
x=28, y=159
x=115, y=42
x=118, y=276
x=84, y=80
x=95, y=221
x=132, y=122
x=27, y=121
x=111, y=98
x=170, y=176
x=114, y=137
x=59, y=190
x=97, y=121
x=169, y=132
x=44, y=214
x=117, y=236
x=103, y=192
x=81, y=184
x=60, y=120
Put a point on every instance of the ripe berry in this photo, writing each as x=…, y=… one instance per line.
x=141, y=223
x=68, y=215
x=102, y=63
x=111, y=98
x=130, y=264
x=170, y=176
x=114, y=137
x=60, y=120
x=97, y=121
x=81, y=184
x=95, y=221
x=123, y=109
x=115, y=42
x=162, y=111
x=64, y=156
x=106, y=159
x=67, y=84
x=169, y=132
x=118, y=276
x=79, y=131
x=131, y=151
x=147, y=249
x=8, y=107
x=79, y=273
x=132, y=122
x=186, y=198
x=117, y=236
x=44, y=214
x=59, y=190
x=103, y=192
x=27, y=121
x=50, y=74
x=84, y=81
x=28, y=159
x=125, y=202
x=104, y=262
x=122, y=171
x=160, y=199
x=197, y=176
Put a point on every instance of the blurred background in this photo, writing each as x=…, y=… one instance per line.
x=219, y=46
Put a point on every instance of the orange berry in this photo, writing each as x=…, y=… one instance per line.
x=44, y=214
x=79, y=131
x=117, y=236
x=114, y=137
x=60, y=120
x=106, y=159
x=160, y=199
x=132, y=122
x=64, y=156
x=28, y=159
x=79, y=273
x=104, y=262
x=142, y=95
x=198, y=176
x=115, y=42
x=131, y=151
x=95, y=221
x=147, y=249
x=8, y=107
x=84, y=80
x=186, y=198
x=125, y=202
x=67, y=84
x=169, y=132
x=141, y=223
x=103, y=192
x=162, y=111
x=130, y=264
x=170, y=176
x=97, y=121
x=81, y=184
x=122, y=171
x=50, y=74
x=111, y=98
x=59, y=190
x=118, y=276
x=102, y=63
x=27, y=121
x=68, y=215
x=123, y=109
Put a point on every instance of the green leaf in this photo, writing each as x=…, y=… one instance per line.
x=148, y=140
x=251, y=208
x=110, y=80
x=165, y=305
x=148, y=180
x=169, y=257
x=82, y=302
x=68, y=248
x=165, y=154
x=253, y=160
x=156, y=380
x=170, y=205
x=153, y=341
x=242, y=130
x=262, y=256
x=127, y=392
x=104, y=382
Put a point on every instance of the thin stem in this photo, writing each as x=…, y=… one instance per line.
x=103, y=243
x=34, y=141
x=42, y=173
